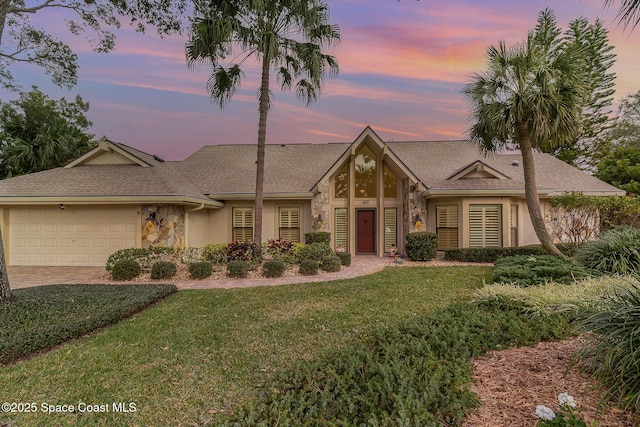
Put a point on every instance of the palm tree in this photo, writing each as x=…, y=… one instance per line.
x=629, y=12
x=286, y=35
x=532, y=94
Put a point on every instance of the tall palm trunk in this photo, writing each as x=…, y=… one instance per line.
x=262, y=139
x=531, y=190
x=4, y=278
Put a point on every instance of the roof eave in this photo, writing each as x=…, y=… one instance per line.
x=109, y=200
x=266, y=196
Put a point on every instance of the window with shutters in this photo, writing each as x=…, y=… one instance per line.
x=514, y=225
x=447, y=226
x=289, y=223
x=390, y=228
x=242, y=224
x=485, y=226
x=340, y=229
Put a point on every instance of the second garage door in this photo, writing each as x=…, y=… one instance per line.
x=70, y=236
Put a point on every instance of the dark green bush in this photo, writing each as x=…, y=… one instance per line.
x=421, y=246
x=126, y=269
x=215, y=253
x=317, y=237
x=345, y=258
x=200, y=270
x=238, y=269
x=273, y=268
x=163, y=270
x=42, y=317
x=615, y=251
x=315, y=251
x=331, y=264
x=492, y=254
x=414, y=373
x=528, y=270
x=309, y=267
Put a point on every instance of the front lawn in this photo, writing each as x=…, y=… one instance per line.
x=200, y=352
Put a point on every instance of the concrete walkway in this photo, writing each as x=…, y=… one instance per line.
x=23, y=277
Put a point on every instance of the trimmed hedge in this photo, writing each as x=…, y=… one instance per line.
x=529, y=270
x=421, y=246
x=163, y=270
x=345, y=258
x=145, y=257
x=39, y=318
x=273, y=268
x=315, y=251
x=492, y=254
x=317, y=237
x=238, y=269
x=126, y=269
x=200, y=270
x=309, y=267
x=331, y=264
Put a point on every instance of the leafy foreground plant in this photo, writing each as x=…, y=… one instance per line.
x=413, y=373
x=42, y=317
x=616, y=251
x=613, y=353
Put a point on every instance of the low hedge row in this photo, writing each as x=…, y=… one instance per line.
x=38, y=318
x=529, y=270
x=492, y=254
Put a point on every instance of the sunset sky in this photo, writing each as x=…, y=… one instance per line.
x=403, y=65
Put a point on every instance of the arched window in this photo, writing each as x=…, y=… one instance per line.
x=366, y=173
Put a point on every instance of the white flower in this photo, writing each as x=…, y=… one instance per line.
x=566, y=398
x=545, y=413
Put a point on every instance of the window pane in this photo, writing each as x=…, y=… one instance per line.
x=340, y=221
x=485, y=226
x=242, y=224
x=447, y=226
x=341, y=186
x=290, y=224
x=390, y=184
x=366, y=173
x=390, y=228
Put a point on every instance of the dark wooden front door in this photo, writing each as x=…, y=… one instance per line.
x=366, y=230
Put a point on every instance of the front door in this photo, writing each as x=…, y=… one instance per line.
x=366, y=231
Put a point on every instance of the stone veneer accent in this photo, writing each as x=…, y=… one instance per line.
x=417, y=206
x=320, y=206
x=163, y=225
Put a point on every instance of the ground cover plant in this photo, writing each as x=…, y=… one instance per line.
x=42, y=317
x=529, y=270
x=615, y=251
x=200, y=352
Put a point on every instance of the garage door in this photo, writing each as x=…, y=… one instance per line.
x=73, y=236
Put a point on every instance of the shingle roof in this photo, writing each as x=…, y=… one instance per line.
x=294, y=168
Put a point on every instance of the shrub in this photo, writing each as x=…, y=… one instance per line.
x=309, y=267
x=421, y=246
x=126, y=269
x=200, y=270
x=215, y=253
x=331, y=263
x=612, y=353
x=492, y=254
x=616, y=251
x=528, y=270
x=145, y=257
x=238, y=268
x=278, y=250
x=315, y=251
x=345, y=258
x=241, y=251
x=317, y=237
x=163, y=270
x=273, y=268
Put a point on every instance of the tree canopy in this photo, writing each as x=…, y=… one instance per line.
x=22, y=42
x=38, y=133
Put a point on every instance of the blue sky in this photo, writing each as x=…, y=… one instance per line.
x=403, y=65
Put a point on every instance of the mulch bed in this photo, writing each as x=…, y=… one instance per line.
x=511, y=383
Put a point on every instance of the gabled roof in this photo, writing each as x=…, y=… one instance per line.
x=116, y=173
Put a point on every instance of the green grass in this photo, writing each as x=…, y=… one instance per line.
x=42, y=317
x=198, y=352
